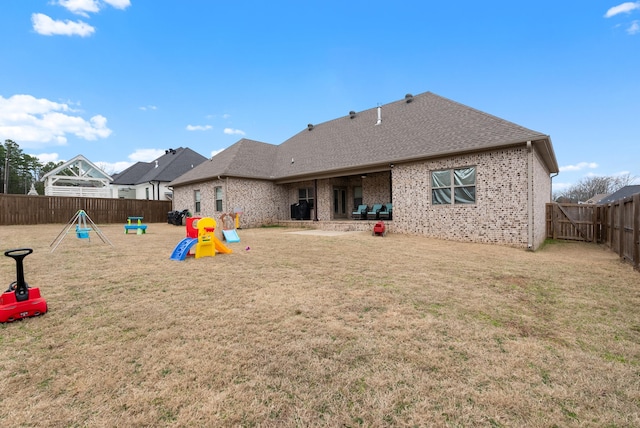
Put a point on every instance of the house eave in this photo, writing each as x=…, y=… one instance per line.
x=542, y=140
x=386, y=165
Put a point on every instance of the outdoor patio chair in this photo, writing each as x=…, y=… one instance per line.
x=373, y=214
x=385, y=212
x=360, y=212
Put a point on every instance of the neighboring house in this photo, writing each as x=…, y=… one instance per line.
x=77, y=177
x=624, y=192
x=148, y=180
x=450, y=171
x=596, y=198
x=564, y=200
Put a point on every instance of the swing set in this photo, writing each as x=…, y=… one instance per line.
x=84, y=225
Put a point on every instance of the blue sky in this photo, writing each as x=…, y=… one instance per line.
x=120, y=81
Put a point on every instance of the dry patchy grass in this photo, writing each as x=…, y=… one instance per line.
x=350, y=330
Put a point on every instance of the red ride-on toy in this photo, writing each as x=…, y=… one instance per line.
x=379, y=229
x=20, y=300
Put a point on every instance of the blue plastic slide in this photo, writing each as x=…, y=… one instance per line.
x=231, y=235
x=182, y=249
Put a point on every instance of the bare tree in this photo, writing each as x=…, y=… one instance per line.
x=591, y=186
x=106, y=168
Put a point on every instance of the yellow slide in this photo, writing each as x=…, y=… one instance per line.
x=220, y=247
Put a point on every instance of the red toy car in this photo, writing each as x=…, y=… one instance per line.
x=20, y=300
x=379, y=229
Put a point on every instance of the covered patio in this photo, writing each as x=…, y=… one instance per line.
x=342, y=225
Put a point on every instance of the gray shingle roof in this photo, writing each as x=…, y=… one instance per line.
x=620, y=194
x=246, y=158
x=428, y=126
x=170, y=166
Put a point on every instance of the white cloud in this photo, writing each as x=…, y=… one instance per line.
x=140, y=155
x=198, y=127
x=118, y=4
x=47, y=26
x=34, y=122
x=145, y=155
x=578, y=166
x=561, y=186
x=145, y=108
x=47, y=157
x=626, y=7
x=42, y=24
x=84, y=7
x=80, y=7
x=231, y=131
x=634, y=28
x=113, y=167
x=215, y=152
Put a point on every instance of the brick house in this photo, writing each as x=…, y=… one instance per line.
x=450, y=171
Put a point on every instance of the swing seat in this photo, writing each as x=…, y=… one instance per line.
x=82, y=232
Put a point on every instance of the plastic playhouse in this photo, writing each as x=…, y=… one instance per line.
x=229, y=225
x=20, y=300
x=201, y=238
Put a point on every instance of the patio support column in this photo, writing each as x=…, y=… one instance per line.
x=530, y=180
x=391, y=183
x=315, y=200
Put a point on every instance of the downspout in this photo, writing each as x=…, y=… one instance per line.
x=153, y=190
x=530, y=196
x=551, y=190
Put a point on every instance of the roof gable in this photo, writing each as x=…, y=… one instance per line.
x=246, y=158
x=78, y=168
x=167, y=167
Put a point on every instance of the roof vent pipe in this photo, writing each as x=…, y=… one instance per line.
x=310, y=126
x=379, y=116
x=352, y=114
x=156, y=164
x=408, y=98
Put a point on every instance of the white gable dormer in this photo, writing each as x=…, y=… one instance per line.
x=77, y=177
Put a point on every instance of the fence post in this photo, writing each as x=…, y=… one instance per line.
x=621, y=228
x=595, y=220
x=554, y=224
x=636, y=231
x=612, y=225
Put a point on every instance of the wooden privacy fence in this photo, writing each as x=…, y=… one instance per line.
x=617, y=225
x=575, y=222
x=22, y=209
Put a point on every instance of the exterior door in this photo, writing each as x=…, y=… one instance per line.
x=339, y=202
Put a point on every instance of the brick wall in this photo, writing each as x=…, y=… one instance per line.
x=261, y=202
x=541, y=196
x=376, y=189
x=498, y=216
